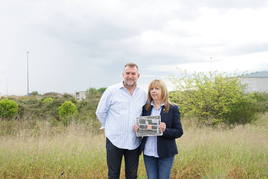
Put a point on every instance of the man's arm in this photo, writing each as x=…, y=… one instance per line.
x=103, y=107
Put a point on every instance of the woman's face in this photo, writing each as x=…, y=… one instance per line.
x=156, y=93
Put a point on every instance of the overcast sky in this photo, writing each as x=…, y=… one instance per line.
x=76, y=45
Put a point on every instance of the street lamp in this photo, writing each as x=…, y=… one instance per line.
x=27, y=53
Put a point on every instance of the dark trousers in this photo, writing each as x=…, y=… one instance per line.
x=114, y=159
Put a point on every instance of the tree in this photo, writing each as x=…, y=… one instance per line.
x=34, y=93
x=8, y=108
x=66, y=111
x=101, y=90
x=213, y=98
x=92, y=93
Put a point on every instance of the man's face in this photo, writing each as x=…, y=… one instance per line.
x=130, y=75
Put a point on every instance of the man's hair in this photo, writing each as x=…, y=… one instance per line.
x=132, y=65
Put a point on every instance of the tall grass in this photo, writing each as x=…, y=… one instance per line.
x=76, y=152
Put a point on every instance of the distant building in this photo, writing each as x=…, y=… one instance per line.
x=256, y=82
x=80, y=95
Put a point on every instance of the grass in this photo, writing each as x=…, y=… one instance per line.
x=75, y=152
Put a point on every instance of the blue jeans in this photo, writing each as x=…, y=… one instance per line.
x=114, y=159
x=158, y=168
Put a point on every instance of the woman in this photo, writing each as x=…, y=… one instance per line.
x=159, y=151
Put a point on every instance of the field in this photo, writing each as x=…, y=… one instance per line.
x=43, y=151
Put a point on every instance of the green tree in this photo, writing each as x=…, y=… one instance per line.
x=34, y=93
x=213, y=98
x=8, y=108
x=261, y=101
x=66, y=111
x=92, y=93
x=101, y=90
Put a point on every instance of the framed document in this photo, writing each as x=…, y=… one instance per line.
x=148, y=126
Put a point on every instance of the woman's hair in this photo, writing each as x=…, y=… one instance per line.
x=164, y=94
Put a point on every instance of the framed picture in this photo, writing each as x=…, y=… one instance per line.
x=148, y=126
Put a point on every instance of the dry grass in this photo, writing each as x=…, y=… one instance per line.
x=73, y=152
x=241, y=152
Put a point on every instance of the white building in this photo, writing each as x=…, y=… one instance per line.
x=80, y=95
x=256, y=82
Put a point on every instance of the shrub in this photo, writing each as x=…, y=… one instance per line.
x=47, y=100
x=8, y=108
x=66, y=111
x=213, y=98
x=261, y=101
x=34, y=93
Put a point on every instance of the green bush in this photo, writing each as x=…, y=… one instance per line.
x=46, y=107
x=261, y=101
x=213, y=98
x=29, y=107
x=8, y=109
x=47, y=100
x=66, y=111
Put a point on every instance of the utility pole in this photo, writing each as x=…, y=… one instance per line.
x=7, y=86
x=27, y=53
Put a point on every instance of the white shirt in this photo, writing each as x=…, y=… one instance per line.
x=117, y=111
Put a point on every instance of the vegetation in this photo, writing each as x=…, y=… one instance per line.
x=56, y=135
x=34, y=93
x=43, y=151
x=66, y=111
x=47, y=100
x=48, y=107
x=8, y=109
x=214, y=98
x=261, y=101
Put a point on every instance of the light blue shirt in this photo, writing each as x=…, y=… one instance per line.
x=117, y=111
x=150, y=148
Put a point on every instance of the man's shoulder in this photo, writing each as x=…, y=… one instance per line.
x=114, y=87
x=142, y=90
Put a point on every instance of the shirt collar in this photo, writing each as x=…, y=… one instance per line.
x=160, y=104
x=121, y=85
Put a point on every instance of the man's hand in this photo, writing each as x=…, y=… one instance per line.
x=136, y=127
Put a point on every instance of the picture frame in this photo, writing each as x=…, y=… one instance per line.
x=148, y=126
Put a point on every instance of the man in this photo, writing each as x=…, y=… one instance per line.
x=117, y=111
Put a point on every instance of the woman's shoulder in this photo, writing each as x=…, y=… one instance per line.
x=145, y=110
x=144, y=107
x=174, y=106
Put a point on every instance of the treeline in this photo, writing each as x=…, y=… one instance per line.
x=207, y=98
x=54, y=107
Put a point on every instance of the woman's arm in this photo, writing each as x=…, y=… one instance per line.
x=175, y=131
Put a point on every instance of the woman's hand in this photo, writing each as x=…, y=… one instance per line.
x=162, y=126
x=136, y=127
